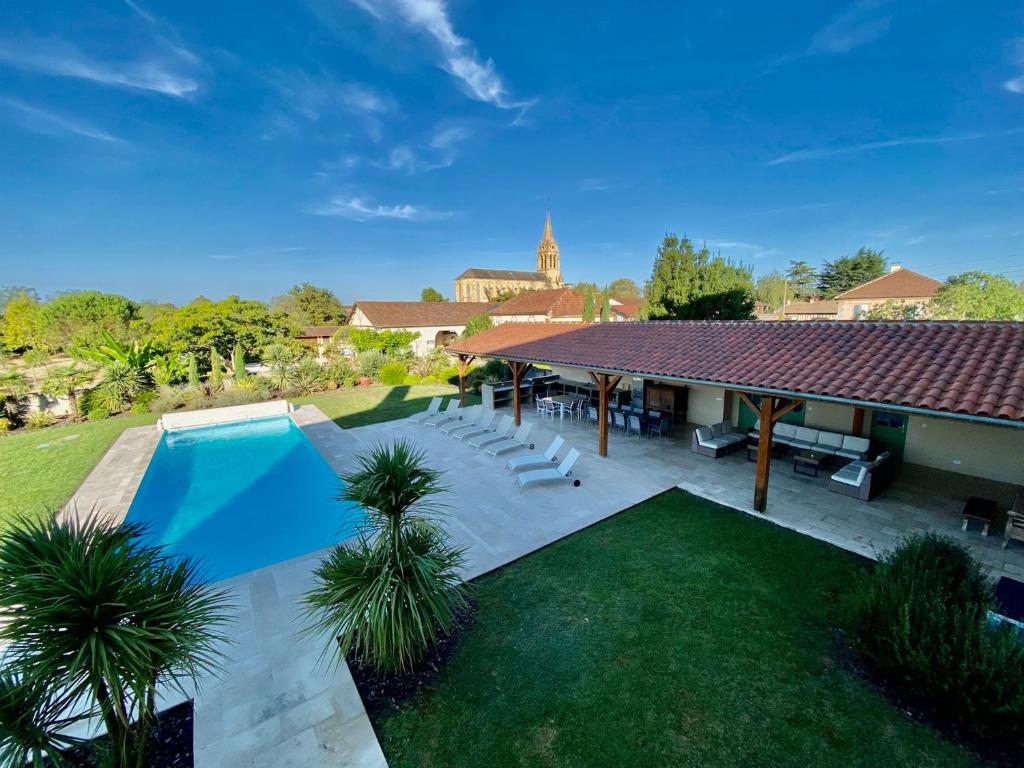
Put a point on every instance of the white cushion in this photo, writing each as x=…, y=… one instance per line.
x=704, y=436
x=856, y=444
x=807, y=435
x=851, y=475
x=832, y=440
x=717, y=430
x=787, y=431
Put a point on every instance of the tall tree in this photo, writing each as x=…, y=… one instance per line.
x=689, y=284
x=771, y=289
x=77, y=320
x=850, y=271
x=21, y=321
x=8, y=292
x=624, y=288
x=802, y=280
x=978, y=296
x=307, y=304
x=431, y=295
x=588, y=307
x=606, y=307
x=584, y=288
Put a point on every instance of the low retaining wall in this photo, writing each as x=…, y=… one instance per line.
x=209, y=416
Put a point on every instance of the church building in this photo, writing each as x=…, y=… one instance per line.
x=484, y=284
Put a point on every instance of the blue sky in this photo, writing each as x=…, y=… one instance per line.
x=378, y=146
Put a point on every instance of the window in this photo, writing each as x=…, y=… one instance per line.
x=860, y=309
x=891, y=420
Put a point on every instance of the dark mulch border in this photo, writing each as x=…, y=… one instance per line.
x=169, y=746
x=849, y=660
x=384, y=693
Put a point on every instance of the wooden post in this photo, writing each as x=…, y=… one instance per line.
x=464, y=361
x=764, y=453
x=858, y=422
x=606, y=384
x=519, y=371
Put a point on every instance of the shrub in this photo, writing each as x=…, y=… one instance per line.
x=370, y=363
x=411, y=379
x=94, y=621
x=338, y=371
x=40, y=419
x=97, y=413
x=120, y=384
x=5, y=424
x=168, y=399
x=308, y=377
x=393, y=593
x=921, y=624
x=490, y=372
x=233, y=396
x=281, y=359
x=350, y=381
x=392, y=374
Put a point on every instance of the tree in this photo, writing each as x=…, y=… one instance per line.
x=65, y=381
x=688, y=284
x=584, y=288
x=137, y=354
x=95, y=622
x=77, y=320
x=216, y=379
x=202, y=324
x=606, y=307
x=307, y=304
x=391, y=342
x=850, y=271
x=431, y=295
x=476, y=324
x=21, y=320
x=624, y=288
x=771, y=289
x=891, y=309
x=390, y=596
x=238, y=363
x=193, y=371
x=978, y=296
x=802, y=280
x=501, y=296
x=588, y=307
x=9, y=292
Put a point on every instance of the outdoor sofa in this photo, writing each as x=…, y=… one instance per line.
x=717, y=440
x=862, y=479
x=819, y=440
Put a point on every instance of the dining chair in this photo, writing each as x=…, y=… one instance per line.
x=619, y=420
x=633, y=426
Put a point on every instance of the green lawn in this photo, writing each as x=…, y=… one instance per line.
x=35, y=479
x=677, y=633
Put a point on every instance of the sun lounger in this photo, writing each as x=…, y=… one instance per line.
x=450, y=413
x=523, y=463
x=521, y=439
x=482, y=427
x=432, y=409
x=470, y=418
x=551, y=474
x=501, y=433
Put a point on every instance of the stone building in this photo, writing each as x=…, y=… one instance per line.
x=484, y=284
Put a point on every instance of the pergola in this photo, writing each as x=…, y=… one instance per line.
x=957, y=370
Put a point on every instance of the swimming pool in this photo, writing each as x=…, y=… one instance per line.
x=242, y=495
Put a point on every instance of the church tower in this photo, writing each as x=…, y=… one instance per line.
x=547, y=256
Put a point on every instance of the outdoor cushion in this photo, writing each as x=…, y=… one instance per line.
x=852, y=474
x=731, y=438
x=717, y=430
x=807, y=435
x=705, y=436
x=859, y=445
x=784, y=432
x=829, y=442
x=879, y=459
x=802, y=445
x=716, y=442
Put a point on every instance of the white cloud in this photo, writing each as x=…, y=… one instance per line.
x=39, y=120
x=362, y=98
x=592, y=185
x=360, y=209
x=445, y=138
x=1016, y=84
x=856, y=25
x=823, y=152
x=753, y=250
x=319, y=98
x=458, y=56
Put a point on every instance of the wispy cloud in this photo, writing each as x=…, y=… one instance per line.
x=854, y=26
x=592, y=185
x=819, y=153
x=458, y=56
x=1016, y=84
x=439, y=151
x=798, y=208
x=43, y=121
x=448, y=136
x=752, y=250
x=305, y=98
x=361, y=209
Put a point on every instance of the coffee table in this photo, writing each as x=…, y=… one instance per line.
x=982, y=510
x=808, y=462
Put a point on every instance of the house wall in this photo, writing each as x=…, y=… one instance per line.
x=501, y=319
x=421, y=346
x=973, y=449
x=848, y=307
x=831, y=417
x=707, y=405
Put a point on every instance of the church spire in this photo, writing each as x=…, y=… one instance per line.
x=547, y=254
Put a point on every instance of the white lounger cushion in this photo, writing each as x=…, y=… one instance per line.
x=434, y=407
x=503, y=430
x=519, y=440
x=519, y=463
x=561, y=472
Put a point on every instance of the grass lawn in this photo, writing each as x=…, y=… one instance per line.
x=36, y=479
x=675, y=633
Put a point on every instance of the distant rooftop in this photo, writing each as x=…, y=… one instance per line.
x=417, y=314
x=554, y=302
x=502, y=274
x=898, y=284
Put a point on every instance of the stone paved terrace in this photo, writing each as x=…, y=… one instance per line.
x=276, y=707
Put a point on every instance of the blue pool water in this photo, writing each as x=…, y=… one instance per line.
x=241, y=496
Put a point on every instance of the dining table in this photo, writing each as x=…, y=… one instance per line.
x=564, y=402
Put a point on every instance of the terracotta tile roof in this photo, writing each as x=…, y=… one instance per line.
x=318, y=331
x=812, y=308
x=948, y=367
x=502, y=274
x=899, y=284
x=417, y=314
x=628, y=307
x=553, y=302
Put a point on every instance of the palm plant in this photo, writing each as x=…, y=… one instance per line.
x=280, y=359
x=141, y=355
x=307, y=376
x=119, y=384
x=391, y=595
x=13, y=387
x=94, y=622
x=168, y=370
x=65, y=381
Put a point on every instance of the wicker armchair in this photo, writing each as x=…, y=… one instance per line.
x=1015, y=520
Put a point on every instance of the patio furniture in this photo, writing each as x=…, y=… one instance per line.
x=483, y=426
x=451, y=412
x=471, y=417
x=819, y=440
x=521, y=463
x=717, y=440
x=546, y=407
x=502, y=432
x=1015, y=520
x=592, y=415
x=432, y=409
x=521, y=439
x=660, y=429
x=981, y=510
x=654, y=415
x=619, y=421
x=551, y=474
x=807, y=462
x=633, y=426
x=862, y=479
